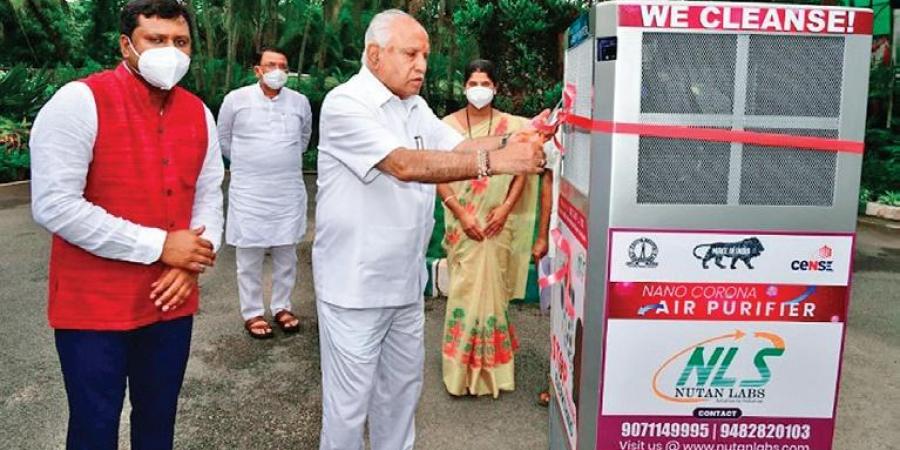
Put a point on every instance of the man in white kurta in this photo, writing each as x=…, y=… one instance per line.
x=369, y=262
x=264, y=129
x=373, y=221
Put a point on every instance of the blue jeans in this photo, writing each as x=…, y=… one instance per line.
x=96, y=367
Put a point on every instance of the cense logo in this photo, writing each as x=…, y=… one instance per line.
x=820, y=261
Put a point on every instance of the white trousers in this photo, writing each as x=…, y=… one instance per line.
x=372, y=368
x=249, y=277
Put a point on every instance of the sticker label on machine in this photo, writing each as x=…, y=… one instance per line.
x=822, y=260
x=750, y=355
x=745, y=17
x=566, y=318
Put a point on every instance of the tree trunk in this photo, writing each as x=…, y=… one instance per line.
x=331, y=11
x=197, y=68
x=231, y=41
x=209, y=30
x=103, y=18
x=358, y=8
x=18, y=18
x=59, y=44
x=450, y=27
x=273, y=22
x=300, y=60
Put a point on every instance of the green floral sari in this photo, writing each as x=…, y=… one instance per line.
x=479, y=342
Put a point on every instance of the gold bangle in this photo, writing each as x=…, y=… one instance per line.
x=447, y=199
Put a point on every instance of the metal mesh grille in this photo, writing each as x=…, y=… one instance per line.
x=681, y=171
x=786, y=176
x=688, y=73
x=774, y=87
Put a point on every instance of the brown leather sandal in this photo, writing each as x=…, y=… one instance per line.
x=253, y=328
x=283, y=318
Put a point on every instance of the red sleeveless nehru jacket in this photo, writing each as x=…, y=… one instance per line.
x=144, y=169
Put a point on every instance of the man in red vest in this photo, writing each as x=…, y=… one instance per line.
x=126, y=174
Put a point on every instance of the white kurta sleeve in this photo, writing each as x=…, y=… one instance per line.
x=62, y=142
x=351, y=134
x=208, y=193
x=226, y=122
x=306, y=131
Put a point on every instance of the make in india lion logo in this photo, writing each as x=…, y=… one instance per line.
x=731, y=368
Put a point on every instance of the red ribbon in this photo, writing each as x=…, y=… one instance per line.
x=716, y=135
x=567, y=116
x=562, y=275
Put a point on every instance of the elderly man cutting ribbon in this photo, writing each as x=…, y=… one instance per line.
x=381, y=150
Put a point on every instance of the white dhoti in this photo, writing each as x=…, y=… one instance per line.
x=249, y=277
x=372, y=368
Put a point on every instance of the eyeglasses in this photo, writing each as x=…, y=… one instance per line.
x=272, y=66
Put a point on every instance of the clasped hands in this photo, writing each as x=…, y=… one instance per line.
x=185, y=255
x=495, y=221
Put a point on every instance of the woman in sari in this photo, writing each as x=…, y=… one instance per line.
x=489, y=234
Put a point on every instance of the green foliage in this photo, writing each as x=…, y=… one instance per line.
x=522, y=37
x=14, y=160
x=880, y=81
x=22, y=93
x=43, y=32
x=881, y=162
x=14, y=164
x=865, y=195
x=47, y=43
x=890, y=198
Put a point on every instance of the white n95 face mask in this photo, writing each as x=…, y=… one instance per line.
x=275, y=79
x=162, y=67
x=479, y=96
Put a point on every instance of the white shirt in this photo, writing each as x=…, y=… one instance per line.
x=372, y=229
x=265, y=139
x=62, y=147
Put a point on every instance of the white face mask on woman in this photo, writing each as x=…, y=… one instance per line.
x=162, y=67
x=275, y=79
x=479, y=96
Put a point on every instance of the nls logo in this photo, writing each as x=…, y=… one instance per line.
x=705, y=373
x=820, y=262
